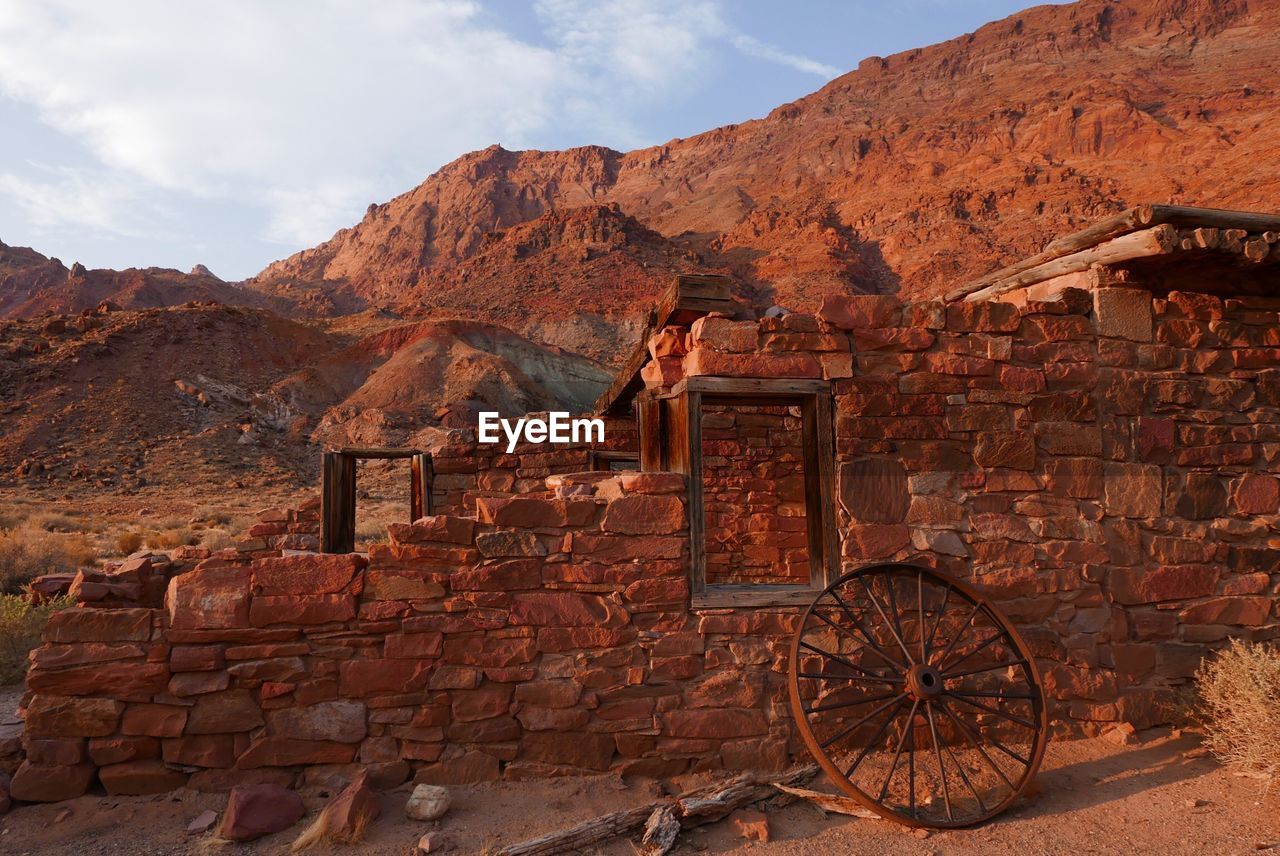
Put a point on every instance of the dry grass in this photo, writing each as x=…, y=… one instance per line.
x=167, y=539
x=128, y=542
x=20, y=627
x=1240, y=697
x=27, y=551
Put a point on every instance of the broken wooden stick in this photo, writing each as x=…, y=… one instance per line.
x=700, y=805
x=834, y=803
x=660, y=832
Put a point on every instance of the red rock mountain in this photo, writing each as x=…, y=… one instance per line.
x=910, y=174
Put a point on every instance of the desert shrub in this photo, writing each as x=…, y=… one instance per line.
x=167, y=539
x=57, y=521
x=217, y=539
x=20, y=625
x=128, y=542
x=27, y=552
x=1240, y=698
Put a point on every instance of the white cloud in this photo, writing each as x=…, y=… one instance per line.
x=752, y=46
x=103, y=201
x=308, y=110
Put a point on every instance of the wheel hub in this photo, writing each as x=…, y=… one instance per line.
x=923, y=682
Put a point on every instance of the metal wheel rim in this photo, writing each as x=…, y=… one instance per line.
x=1036, y=716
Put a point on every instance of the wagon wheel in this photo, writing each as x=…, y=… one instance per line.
x=917, y=697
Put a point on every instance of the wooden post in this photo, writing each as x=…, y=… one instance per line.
x=421, y=475
x=338, y=503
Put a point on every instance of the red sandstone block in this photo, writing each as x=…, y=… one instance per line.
x=301, y=609
x=185, y=684
x=224, y=713
x=668, y=591
x=1152, y=585
x=644, y=515
x=439, y=527
x=651, y=483
x=153, y=720
x=400, y=585
x=621, y=548
x=557, y=639
x=715, y=724
x=82, y=653
x=702, y=361
x=50, y=784
x=1246, y=611
x=287, y=752
x=578, y=750
x=893, y=339
x=315, y=574
x=127, y=680
x=117, y=750
x=982, y=317
x=503, y=576
x=545, y=609
x=202, y=750
x=413, y=645
x=136, y=778
x=874, y=540
x=663, y=371
x=360, y=678
x=196, y=658
x=952, y=364
x=723, y=334
x=1256, y=494
x=532, y=513
x=211, y=597
x=54, y=752
x=99, y=625
x=856, y=311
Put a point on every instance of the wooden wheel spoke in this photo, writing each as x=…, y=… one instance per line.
x=960, y=633
x=973, y=741
x=875, y=738
x=884, y=655
x=937, y=750
x=875, y=679
x=831, y=655
x=937, y=622
x=861, y=722
x=895, y=614
x=965, y=778
x=986, y=644
x=888, y=624
x=991, y=668
x=843, y=704
x=1026, y=723
x=993, y=694
x=893, y=767
x=924, y=656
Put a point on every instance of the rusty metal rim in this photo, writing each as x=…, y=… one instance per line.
x=829, y=767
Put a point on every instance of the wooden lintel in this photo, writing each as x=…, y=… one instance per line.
x=1126, y=222
x=377, y=452
x=1155, y=241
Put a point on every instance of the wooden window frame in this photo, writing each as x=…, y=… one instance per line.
x=672, y=431
x=598, y=461
x=338, y=491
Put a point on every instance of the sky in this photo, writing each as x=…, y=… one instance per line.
x=148, y=132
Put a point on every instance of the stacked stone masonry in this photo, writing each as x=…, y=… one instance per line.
x=1104, y=466
x=753, y=495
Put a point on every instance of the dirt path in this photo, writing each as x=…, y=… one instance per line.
x=1092, y=797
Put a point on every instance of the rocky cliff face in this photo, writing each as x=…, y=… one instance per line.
x=906, y=175
x=909, y=175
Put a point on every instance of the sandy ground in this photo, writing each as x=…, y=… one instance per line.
x=1091, y=797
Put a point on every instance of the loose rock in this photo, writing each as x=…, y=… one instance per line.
x=257, y=810
x=427, y=802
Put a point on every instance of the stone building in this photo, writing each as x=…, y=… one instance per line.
x=1091, y=437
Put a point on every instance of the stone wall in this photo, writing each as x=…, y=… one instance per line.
x=753, y=495
x=1104, y=466
x=466, y=468
x=551, y=633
